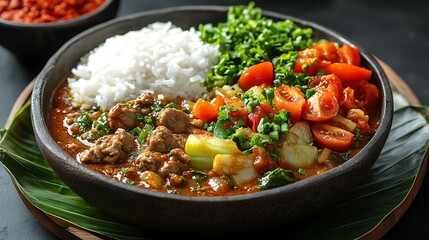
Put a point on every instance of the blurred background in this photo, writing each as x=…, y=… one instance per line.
x=396, y=32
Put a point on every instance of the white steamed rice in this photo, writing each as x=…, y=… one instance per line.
x=161, y=58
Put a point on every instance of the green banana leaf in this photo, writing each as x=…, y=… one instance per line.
x=381, y=192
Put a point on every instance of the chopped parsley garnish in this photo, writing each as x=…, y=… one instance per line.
x=84, y=121
x=249, y=38
x=144, y=118
x=198, y=176
x=158, y=106
x=101, y=125
x=141, y=134
x=90, y=129
x=276, y=178
x=302, y=171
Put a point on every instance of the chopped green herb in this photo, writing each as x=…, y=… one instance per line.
x=302, y=171
x=172, y=191
x=249, y=38
x=92, y=130
x=144, y=118
x=359, y=138
x=141, y=134
x=309, y=92
x=127, y=170
x=170, y=105
x=84, y=121
x=198, y=175
x=275, y=155
x=229, y=181
x=276, y=178
x=101, y=127
x=158, y=106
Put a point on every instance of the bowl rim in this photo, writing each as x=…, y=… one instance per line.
x=62, y=23
x=41, y=130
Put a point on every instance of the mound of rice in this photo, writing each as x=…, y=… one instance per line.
x=160, y=58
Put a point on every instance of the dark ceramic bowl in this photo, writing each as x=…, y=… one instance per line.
x=170, y=212
x=40, y=40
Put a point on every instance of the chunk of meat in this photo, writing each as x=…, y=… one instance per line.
x=150, y=161
x=175, y=120
x=110, y=149
x=163, y=163
x=172, y=166
x=181, y=140
x=163, y=140
x=123, y=115
x=145, y=99
x=198, y=123
x=180, y=155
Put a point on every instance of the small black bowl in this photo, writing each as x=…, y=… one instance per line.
x=170, y=212
x=38, y=41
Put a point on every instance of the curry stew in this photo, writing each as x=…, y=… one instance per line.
x=248, y=137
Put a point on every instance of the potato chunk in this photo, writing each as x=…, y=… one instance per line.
x=238, y=167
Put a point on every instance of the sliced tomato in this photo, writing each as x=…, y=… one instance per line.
x=205, y=110
x=309, y=62
x=331, y=137
x=291, y=99
x=238, y=112
x=322, y=106
x=349, y=101
x=238, y=102
x=268, y=109
x=327, y=51
x=255, y=117
x=330, y=82
x=349, y=54
x=259, y=74
x=348, y=73
x=366, y=92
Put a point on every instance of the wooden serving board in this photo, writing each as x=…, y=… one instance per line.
x=67, y=231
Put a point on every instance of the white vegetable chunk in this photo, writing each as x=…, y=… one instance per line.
x=324, y=155
x=300, y=133
x=300, y=156
x=238, y=167
x=347, y=123
x=228, y=91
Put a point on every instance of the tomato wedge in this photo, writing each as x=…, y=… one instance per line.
x=255, y=117
x=331, y=137
x=309, y=62
x=239, y=112
x=256, y=75
x=207, y=111
x=268, y=109
x=327, y=51
x=238, y=102
x=322, y=106
x=330, y=82
x=349, y=54
x=366, y=92
x=348, y=72
x=349, y=101
x=291, y=99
